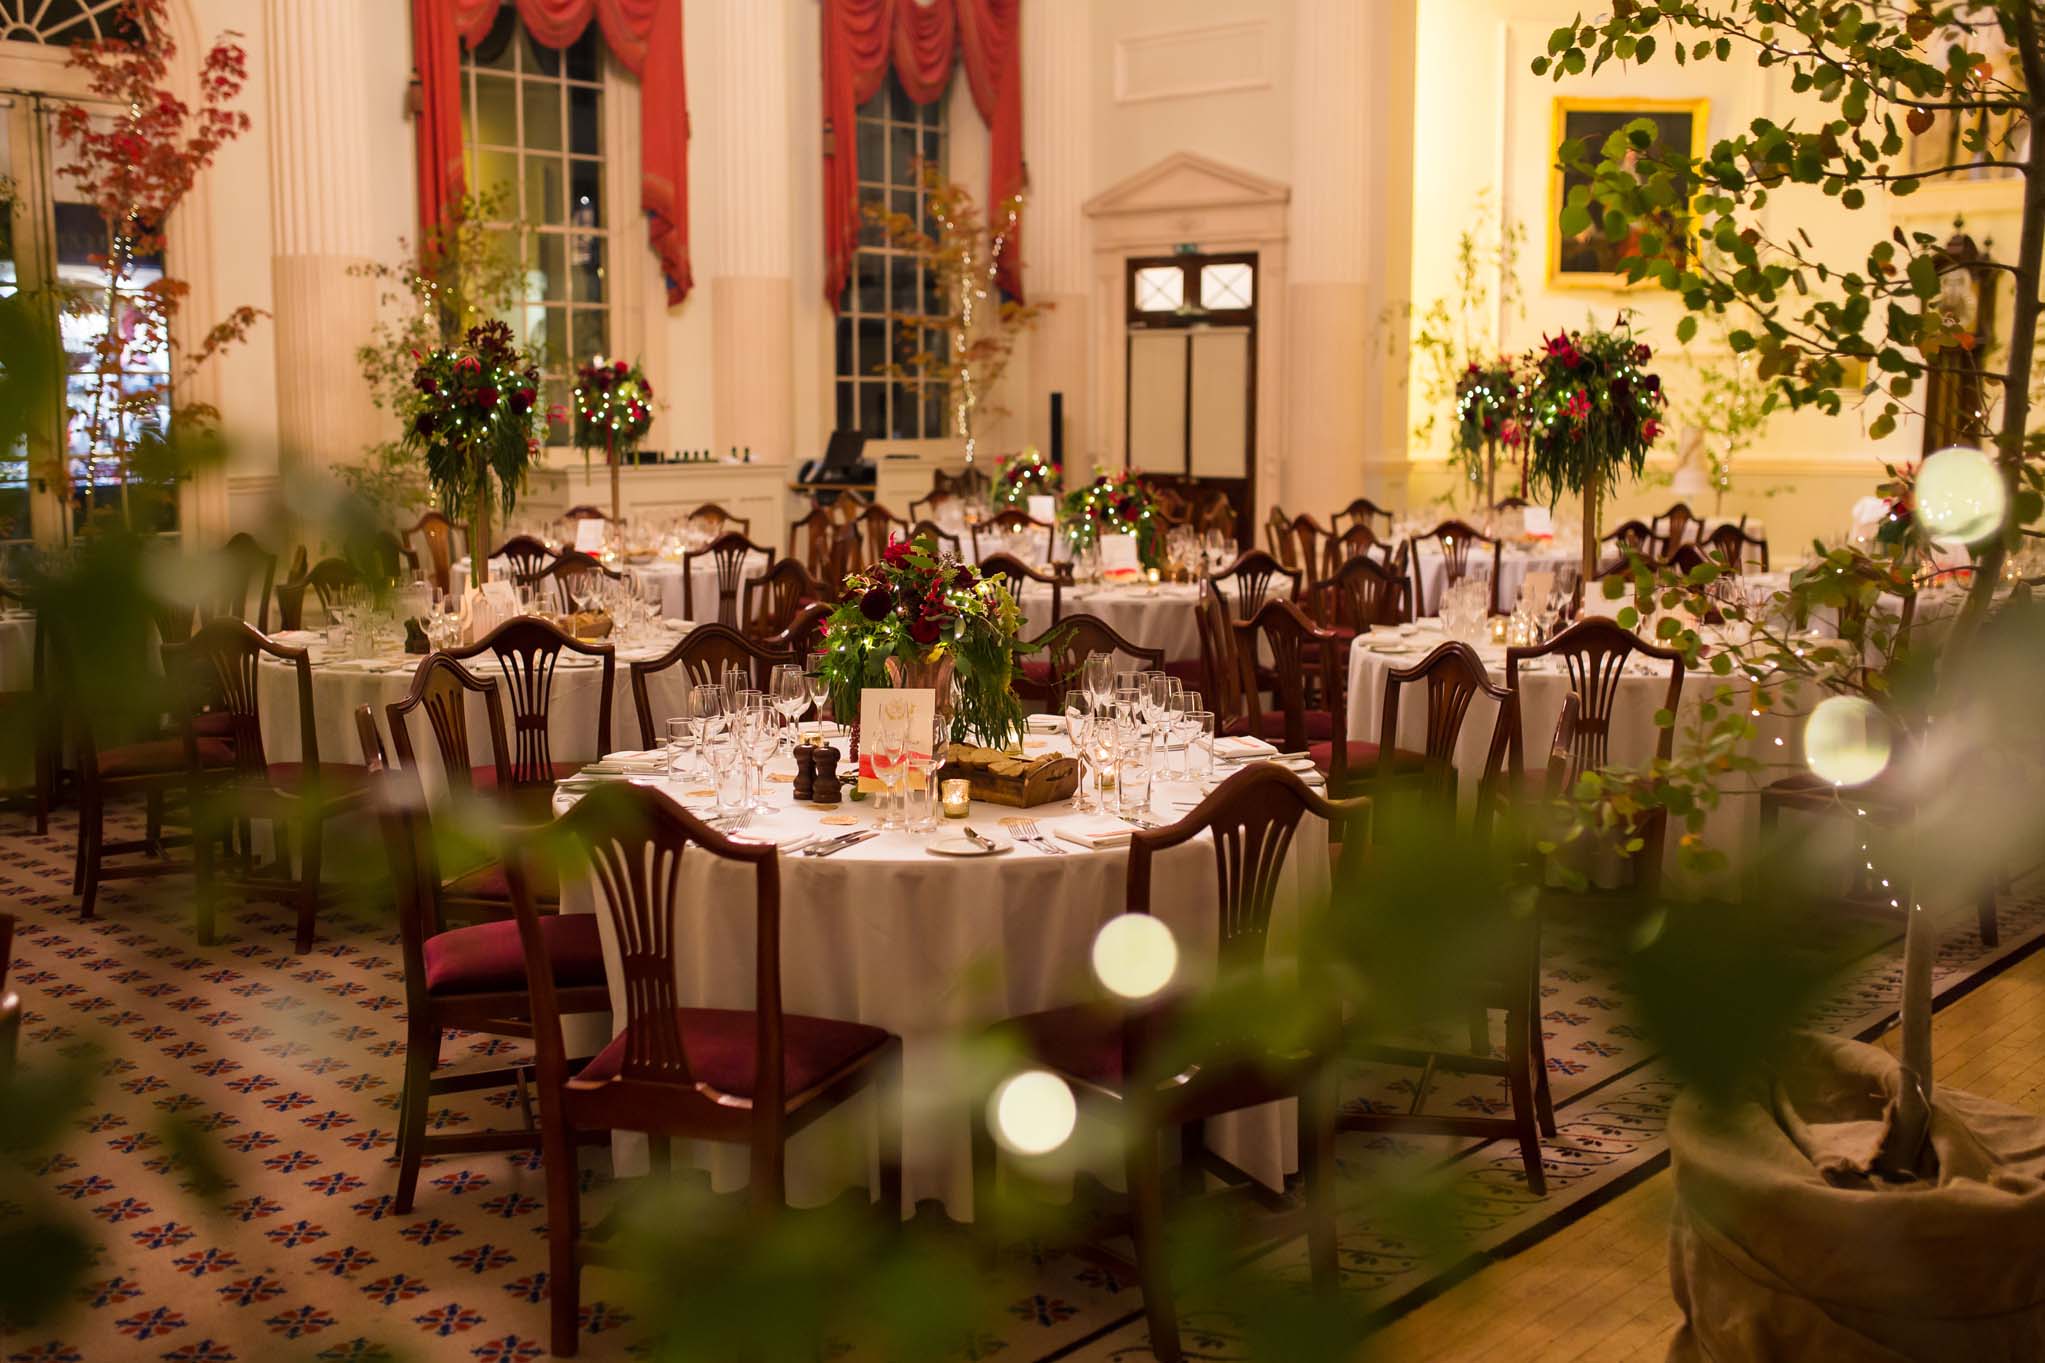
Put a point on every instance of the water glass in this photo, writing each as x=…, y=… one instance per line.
x=919, y=795
x=1134, y=768
x=1199, y=730
x=677, y=740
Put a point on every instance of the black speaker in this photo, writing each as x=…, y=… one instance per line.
x=1058, y=428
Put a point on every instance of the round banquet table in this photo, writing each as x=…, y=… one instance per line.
x=1162, y=616
x=1732, y=827
x=17, y=650
x=1430, y=573
x=339, y=685
x=936, y=949
x=660, y=580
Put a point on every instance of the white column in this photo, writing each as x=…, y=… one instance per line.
x=1057, y=72
x=320, y=188
x=741, y=200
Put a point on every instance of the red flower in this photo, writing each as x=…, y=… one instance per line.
x=523, y=399
x=621, y=369
x=897, y=550
x=485, y=397
x=468, y=364
x=423, y=423
x=876, y=604
x=1641, y=354
x=1649, y=429
x=1579, y=405
x=925, y=630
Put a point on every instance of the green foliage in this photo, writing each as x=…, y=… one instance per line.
x=1113, y=504
x=1590, y=411
x=473, y=418
x=1464, y=327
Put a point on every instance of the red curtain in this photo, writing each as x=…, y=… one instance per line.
x=861, y=39
x=646, y=35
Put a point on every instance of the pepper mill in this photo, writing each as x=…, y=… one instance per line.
x=805, y=771
x=824, y=781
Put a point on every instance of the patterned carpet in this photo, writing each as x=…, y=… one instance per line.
x=293, y=1064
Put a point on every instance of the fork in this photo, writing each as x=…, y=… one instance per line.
x=1027, y=830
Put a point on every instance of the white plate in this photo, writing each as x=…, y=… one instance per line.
x=959, y=845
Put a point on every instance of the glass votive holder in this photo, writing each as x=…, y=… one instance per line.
x=955, y=797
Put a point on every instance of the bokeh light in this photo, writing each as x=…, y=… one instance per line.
x=1960, y=496
x=1134, y=955
x=1032, y=1113
x=1847, y=741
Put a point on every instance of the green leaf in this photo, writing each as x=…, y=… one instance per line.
x=1686, y=329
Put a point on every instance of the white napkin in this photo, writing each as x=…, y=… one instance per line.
x=298, y=638
x=1046, y=724
x=788, y=840
x=1242, y=745
x=628, y=762
x=1095, y=832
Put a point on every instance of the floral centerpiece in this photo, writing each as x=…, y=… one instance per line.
x=1112, y=505
x=1017, y=478
x=474, y=417
x=936, y=620
x=613, y=412
x=1590, y=411
x=1487, y=416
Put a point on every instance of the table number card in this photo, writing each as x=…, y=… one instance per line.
x=1537, y=520
x=914, y=709
x=589, y=536
x=1535, y=588
x=1042, y=508
x=1119, y=557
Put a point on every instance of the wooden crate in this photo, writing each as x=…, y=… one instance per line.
x=1013, y=781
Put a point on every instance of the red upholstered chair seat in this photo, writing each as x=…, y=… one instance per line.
x=1271, y=726
x=1037, y=670
x=1084, y=1040
x=1363, y=758
x=162, y=757
x=486, y=957
x=1191, y=674
x=484, y=775
x=213, y=724
x=720, y=1044
x=490, y=882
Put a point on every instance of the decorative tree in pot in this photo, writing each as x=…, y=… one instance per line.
x=475, y=419
x=1487, y=416
x=1019, y=477
x=1112, y=504
x=1590, y=412
x=613, y=412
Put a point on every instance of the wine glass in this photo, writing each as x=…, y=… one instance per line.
x=763, y=730
x=1078, y=712
x=704, y=710
x=819, y=684
x=721, y=756
x=1171, y=711
x=1099, y=675
x=890, y=755
x=791, y=694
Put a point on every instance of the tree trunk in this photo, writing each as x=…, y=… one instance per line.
x=1590, y=534
x=479, y=537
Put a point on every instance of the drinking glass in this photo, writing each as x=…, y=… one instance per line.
x=721, y=756
x=791, y=693
x=677, y=738
x=1133, y=772
x=705, y=712
x=763, y=730
x=1078, y=712
x=1172, y=712
x=1199, y=729
x=1099, y=675
x=919, y=795
x=819, y=685
x=890, y=753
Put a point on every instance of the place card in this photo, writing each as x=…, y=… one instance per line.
x=1537, y=520
x=914, y=709
x=1119, y=556
x=1042, y=508
x=589, y=536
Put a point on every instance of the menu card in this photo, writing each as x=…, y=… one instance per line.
x=1119, y=557
x=589, y=536
x=485, y=608
x=913, y=709
x=1537, y=520
x=1042, y=508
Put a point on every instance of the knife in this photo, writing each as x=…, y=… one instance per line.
x=839, y=844
x=983, y=844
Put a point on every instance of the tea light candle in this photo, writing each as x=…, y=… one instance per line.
x=956, y=795
x=1497, y=629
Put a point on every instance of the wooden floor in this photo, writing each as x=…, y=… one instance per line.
x=1598, y=1291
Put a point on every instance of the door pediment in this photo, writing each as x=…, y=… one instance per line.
x=1184, y=181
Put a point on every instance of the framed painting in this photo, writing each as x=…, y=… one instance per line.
x=1587, y=259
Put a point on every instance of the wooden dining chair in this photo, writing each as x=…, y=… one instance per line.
x=434, y=533
x=1249, y=581
x=941, y=537
x=1022, y=577
x=327, y=581
x=1456, y=539
x=1501, y=973
x=1358, y=541
x=773, y=598
x=1278, y=537
x=719, y=521
x=528, y=649
x=1678, y=525
x=1222, y=664
x=877, y=525
x=526, y=558
x=1127, y=1063
x=1450, y=679
x=927, y=506
x=1308, y=718
x=749, y=1077
x=34, y=715
x=297, y=799
x=1311, y=541
x=585, y=511
x=703, y=654
x=574, y=574
x=466, y=976
x=10, y=1003
x=1056, y=658
x=1363, y=511
x=730, y=554
x=247, y=575
x=1595, y=652
x=1737, y=550
x=1014, y=521
x=1511, y=502
x=1362, y=594
x=813, y=539
x=1216, y=513
x=804, y=633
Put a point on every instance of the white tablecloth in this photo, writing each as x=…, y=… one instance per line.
x=338, y=687
x=936, y=949
x=661, y=580
x=1633, y=733
x=17, y=650
x=1164, y=616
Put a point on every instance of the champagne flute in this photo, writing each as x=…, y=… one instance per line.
x=1078, y=714
x=819, y=684
x=1099, y=674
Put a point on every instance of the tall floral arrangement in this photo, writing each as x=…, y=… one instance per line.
x=474, y=418
x=135, y=167
x=966, y=332
x=1591, y=412
x=613, y=412
x=1112, y=504
x=1019, y=477
x=919, y=606
x=1487, y=416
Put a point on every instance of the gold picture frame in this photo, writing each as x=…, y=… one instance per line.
x=1584, y=262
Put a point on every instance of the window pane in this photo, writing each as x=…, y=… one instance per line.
x=540, y=59
x=546, y=201
x=551, y=338
x=584, y=122
x=586, y=273
x=1160, y=288
x=873, y=408
x=585, y=193
x=1228, y=286
x=496, y=111
x=907, y=411
x=584, y=59
x=591, y=334
x=550, y=279
x=542, y=116
x=497, y=175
